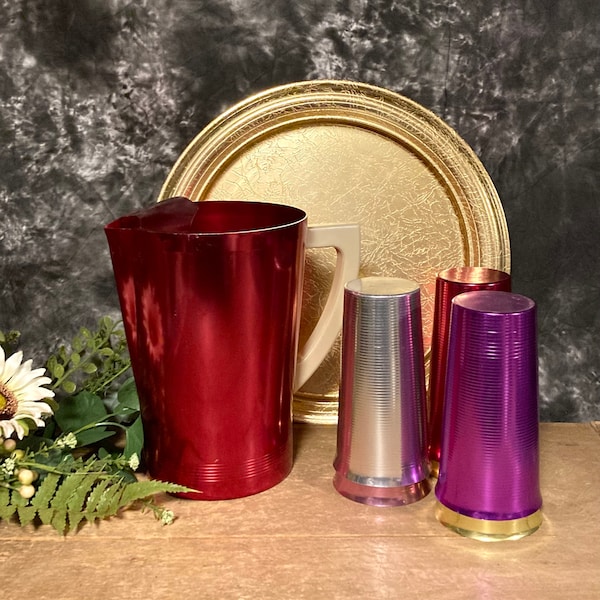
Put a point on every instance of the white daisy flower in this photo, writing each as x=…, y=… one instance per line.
x=20, y=394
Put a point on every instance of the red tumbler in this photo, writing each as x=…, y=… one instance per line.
x=450, y=283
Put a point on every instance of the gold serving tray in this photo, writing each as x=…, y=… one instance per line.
x=350, y=152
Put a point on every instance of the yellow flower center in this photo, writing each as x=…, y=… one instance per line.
x=8, y=403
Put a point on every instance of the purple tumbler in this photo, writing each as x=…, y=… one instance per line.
x=488, y=486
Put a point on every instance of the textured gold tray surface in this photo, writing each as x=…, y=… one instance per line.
x=350, y=152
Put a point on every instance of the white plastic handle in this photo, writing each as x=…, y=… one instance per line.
x=346, y=241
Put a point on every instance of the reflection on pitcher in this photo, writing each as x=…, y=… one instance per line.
x=210, y=294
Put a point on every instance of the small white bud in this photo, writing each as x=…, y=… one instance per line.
x=134, y=462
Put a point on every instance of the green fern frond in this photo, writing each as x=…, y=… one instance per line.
x=142, y=489
x=45, y=491
x=59, y=520
x=45, y=515
x=67, y=488
x=77, y=500
x=7, y=510
x=94, y=499
x=104, y=507
x=26, y=514
x=64, y=500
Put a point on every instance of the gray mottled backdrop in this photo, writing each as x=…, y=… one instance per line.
x=99, y=97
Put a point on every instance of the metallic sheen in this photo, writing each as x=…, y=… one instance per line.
x=489, y=464
x=350, y=152
x=210, y=295
x=485, y=530
x=449, y=283
x=381, y=451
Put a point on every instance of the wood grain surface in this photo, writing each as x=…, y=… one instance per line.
x=302, y=539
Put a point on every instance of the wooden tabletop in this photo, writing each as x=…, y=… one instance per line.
x=302, y=539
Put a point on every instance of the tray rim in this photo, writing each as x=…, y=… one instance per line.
x=342, y=102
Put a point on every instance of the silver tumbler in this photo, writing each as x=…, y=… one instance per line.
x=382, y=442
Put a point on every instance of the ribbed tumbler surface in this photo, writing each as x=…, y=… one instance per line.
x=449, y=283
x=488, y=486
x=382, y=448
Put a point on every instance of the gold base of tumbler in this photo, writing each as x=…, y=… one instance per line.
x=486, y=530
x=435, y=468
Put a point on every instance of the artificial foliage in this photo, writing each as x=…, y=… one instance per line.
x=80, y=465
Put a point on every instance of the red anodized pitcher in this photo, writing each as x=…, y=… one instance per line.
x=210, y=294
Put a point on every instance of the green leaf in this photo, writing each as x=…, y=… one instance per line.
x=126, y=475
x=106, y=323
x=79, y=411
x=75, y=358
x=134, y=439
x=143, y=489
x=65, y=491
x=69, y=386
x=108, y=501
x=94, y=499
x=89, y=368
x=77, y=344
x=45, y=515
x=17, y=501
x=7, y=510
x=26, y=514
x=77, y=500
x=93, y=435
x=59, y=520
x=45, y=491
x=56, y=369
x=90, y=492
x=69, y=498
x=115, y=503
x=127, y=396
x=103, y=453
